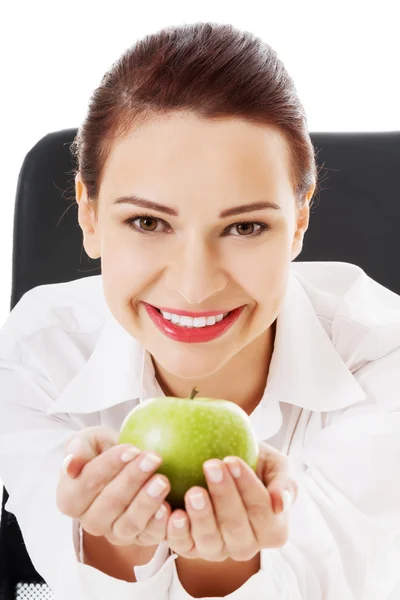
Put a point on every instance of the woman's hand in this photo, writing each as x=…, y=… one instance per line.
x=241, y=515
x=112, y=495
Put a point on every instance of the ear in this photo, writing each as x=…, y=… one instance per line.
x=303, y=219
x=86, y=219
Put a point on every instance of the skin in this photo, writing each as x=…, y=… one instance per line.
x=200, y=168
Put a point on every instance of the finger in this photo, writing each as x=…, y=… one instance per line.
x=156, y=530
x=179, y=534
x=111, y=511
x=86, y=445
x=231, y=514
x=283, y=491
x=270, y=462
x=204, y=526
x=75, y=495
x=277, y=472
x=142, y=497
x=269, y=529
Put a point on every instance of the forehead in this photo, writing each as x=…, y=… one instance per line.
x=172, y=156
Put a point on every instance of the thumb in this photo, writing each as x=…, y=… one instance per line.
x=86, y=445
x=277, y=472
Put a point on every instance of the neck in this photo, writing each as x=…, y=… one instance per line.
x=242, y=380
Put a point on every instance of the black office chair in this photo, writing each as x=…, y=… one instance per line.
x=356, y=219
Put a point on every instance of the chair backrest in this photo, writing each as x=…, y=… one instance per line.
x=356, y=219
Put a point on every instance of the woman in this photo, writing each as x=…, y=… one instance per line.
x=195, y=177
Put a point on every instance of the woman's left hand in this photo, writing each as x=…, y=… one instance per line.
x=240, y=515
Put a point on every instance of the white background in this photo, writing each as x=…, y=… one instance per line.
x=343, y=55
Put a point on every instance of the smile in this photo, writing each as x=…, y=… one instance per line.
x=192, y=329
x=186, y=321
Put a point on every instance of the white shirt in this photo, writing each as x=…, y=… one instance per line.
x=332, y=403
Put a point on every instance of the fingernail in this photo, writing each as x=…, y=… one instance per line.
x=214, y=471
x=129, y=454
x=233, y=467
x=156, y=487
x=162, y=511
x=66, y=462
x=180, y=523
x=149, y=462
x=286, y=500
x=197, y=501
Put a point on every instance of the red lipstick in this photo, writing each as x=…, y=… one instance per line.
x=192, y=335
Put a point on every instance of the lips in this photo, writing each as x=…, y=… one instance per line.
x=192, y=334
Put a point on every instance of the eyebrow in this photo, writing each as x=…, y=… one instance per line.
x=229, y=212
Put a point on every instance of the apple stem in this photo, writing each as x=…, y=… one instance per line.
x=194, y=393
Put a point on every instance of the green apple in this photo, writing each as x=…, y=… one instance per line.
x=187, y=432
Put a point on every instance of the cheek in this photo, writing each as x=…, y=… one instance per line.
x=270, y=291
x=128, y=266
x=262, y=272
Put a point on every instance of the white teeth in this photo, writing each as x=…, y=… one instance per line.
x=183, y=321
x=186, y=321
x=199, y=322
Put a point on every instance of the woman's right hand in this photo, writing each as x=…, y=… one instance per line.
x=110, y=497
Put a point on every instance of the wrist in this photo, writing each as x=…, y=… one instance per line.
x=205, y=578
x=115, y=561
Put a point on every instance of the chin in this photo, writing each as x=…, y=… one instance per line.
x=188, y=364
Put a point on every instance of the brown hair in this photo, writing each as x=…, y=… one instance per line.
x=212, y=70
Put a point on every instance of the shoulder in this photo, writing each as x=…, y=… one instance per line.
x=54, y=313
x=361, y=317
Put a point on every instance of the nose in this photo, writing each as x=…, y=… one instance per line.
x=195, y=271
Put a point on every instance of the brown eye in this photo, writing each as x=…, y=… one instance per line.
x=245, y=228
x=148, y=223
x=248, y=229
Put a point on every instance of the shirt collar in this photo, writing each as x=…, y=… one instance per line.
x=112, y=375
x=306, y=369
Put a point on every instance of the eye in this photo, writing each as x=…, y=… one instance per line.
x=146, y=224
x=248, y=229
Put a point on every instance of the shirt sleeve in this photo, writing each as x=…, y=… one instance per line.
x=344, y=534
x=32, y=448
